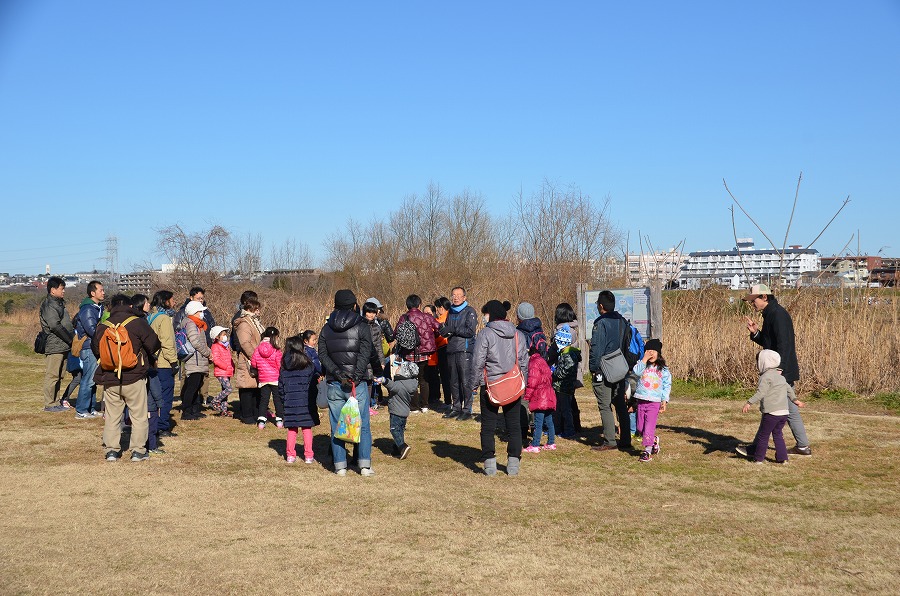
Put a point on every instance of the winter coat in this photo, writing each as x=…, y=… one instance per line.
x=654, y=384
x=221, y=357
x=553, y=352
x=373, y=371
x=539, y=391
x=777, y=333
x=565, y=375
x=440, y=341
x=773, y=393
x=207, y=317
x=495, y=353
x=427, y=326
x=462, y=321
x=534, y=331
x=143, y=341
x=248, y=338
x=267, y=361
x=606, y=337
x=401, y=391
x=86, y=321
x=161, y=323
x=314, y=356
x=345, y=346
x=56, y=323
x=294, y=387
x=198, y=362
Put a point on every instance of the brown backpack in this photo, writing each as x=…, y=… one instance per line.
x=116, y=348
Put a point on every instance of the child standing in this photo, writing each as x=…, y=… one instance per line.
x=565, y=376
x=541, y=401
x=652, y=395
x=772, y=395
x=296, y=382
x=401, y=387
x=223, y=368
x=266, y=361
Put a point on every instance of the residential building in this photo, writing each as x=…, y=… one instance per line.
x=745, y=265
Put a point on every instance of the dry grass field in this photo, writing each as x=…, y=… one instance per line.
x=222, y=512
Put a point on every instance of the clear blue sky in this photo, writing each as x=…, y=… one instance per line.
x=287, y=117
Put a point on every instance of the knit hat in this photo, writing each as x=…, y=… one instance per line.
x=495, y=309
x=655, y=345
x=344, y=299
x=768, y=359
x=563, y=337
x=193, y=307
x=525, y=311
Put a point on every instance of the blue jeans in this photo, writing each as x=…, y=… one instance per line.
x=166, y=378
x=542, y=419
x=86, y=402
x=336, y=400
x=398, y=429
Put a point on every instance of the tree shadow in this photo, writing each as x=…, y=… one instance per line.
x=710, y=441
x=462, y=454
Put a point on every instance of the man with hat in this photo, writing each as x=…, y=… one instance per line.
x=345, y=349
x=777, y=333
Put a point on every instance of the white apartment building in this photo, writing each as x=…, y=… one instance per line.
x=663, y=266
x=744, y=265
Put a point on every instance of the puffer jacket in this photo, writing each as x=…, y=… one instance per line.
x=248, y=338
x=534, y=331
x=86, y=321
x=375, y=330
x=565, y=375
x=345, y=346
x=267, y=361
x=294, y=387
x=56, y=323
x=199, y=360
x=495, y=352
x=223, y=366
x=401, y=390
x=427, y=326
x=144, y=343
x=539, y=391
x=462, y=321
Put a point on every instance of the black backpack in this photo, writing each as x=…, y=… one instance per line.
x=407, y=335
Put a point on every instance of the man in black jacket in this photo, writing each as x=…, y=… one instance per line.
x=345, y=350
x=459, y=329
x=56, y=324
x=777, y=333
x=606, y=338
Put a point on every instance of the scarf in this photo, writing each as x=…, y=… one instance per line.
x=460, y=307
x=201, y=324
x=254, y=318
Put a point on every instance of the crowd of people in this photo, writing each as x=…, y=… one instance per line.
x=438, y=357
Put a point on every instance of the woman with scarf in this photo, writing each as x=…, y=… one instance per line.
x=196, y=367
x=160, y=318
x=247, y=330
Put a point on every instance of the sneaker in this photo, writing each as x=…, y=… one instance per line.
x=405, y=451
x=373, y=412
x=309, y=460
x=532, y=449
x=549, y=447
x=113, y=455
x=55, y=409
x=645, y=456
x=742, y=450
x=167, y=433
x=81, y=416
x=96, y=414
x=451, y=414
x=798, y=450
x=603, y=448
x=260, y=423
x=341, y=472
x=291, y=459
x=366, y=472
x=279, y=423
x=137, y=456
x=411, y=412
x=66, y=405
x=655, y=449
x=157, y=451
x=424, y=410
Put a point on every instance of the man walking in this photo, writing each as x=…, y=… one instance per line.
x=86, y=320
x=459, y=329
x=126, y=386
x=606, y=337
x=56, y=324
x=777, y=333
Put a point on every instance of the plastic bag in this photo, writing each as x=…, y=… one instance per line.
x=349, y=425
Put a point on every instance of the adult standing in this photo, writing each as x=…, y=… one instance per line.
x=777, y=333
x=196, y=366
x=566, y=417
x=60, y=332
x=247, y=330
x=128, y=387
x=160, y=319
x=89, y=314
x=427, y=327
x=442, y=310
x=345, y=350
x=462, y=321
x=606, y=338
x=495, y=355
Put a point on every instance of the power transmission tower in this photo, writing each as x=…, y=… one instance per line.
x=112, y=263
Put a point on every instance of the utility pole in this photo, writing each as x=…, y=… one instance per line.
x=112, y=263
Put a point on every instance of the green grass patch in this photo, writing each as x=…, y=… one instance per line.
x=707, y=390
x=836, y=394
x=891, y=401
x=20, y=348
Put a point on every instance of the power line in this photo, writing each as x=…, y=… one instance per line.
x=94, y=243
x=52, y=257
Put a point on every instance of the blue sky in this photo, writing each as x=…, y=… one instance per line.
x=285, y=118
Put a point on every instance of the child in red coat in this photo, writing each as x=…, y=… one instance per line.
x=223, y=368
x=541, y=401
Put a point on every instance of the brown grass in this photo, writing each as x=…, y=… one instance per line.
x=222, y=512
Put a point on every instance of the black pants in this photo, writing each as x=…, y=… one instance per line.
x=262, y=408
x=249, y=399
x=190, y=395
x=444, y=374
x=434, y=385
x=490, y=414
x=460, y=363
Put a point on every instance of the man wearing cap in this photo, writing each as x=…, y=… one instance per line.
x=459, y=329
x=345, y=348
x=777, y=333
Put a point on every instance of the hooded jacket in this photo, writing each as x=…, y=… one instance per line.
x=86, y=320
x=495, y=352
x=55, y=322
x=402, y=388
x=267, y=361
x=777, y=333
x=221, y=357
x=143, y=341
x=539, y=391
x=459, y=329
x=345, y=346
x=533, y=330
x=773, y=392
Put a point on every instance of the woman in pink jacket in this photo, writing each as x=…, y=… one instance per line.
x=541, y=401
x=266, y=363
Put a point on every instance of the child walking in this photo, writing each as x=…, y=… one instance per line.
x=296, y=382
x=223, y=368
x=772, y=395
x=266, y=361
x=401, y=388
x=541, y=401
x=651, y=395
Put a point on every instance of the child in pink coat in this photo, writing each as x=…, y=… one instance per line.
x=541, y=401
x=223, y=368
x=266, y=363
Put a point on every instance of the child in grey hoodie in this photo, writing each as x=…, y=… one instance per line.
x=772, y=395
x=402, y=387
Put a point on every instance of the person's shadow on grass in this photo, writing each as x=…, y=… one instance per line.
x=710, y=441
x=462, y=454
x=321, y=449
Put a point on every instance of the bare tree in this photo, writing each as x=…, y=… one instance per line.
x=195, y=253
x=290, y=254
x=246, y=253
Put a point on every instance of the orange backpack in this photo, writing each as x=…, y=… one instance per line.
x=116, y=349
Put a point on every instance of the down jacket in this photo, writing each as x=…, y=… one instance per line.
x=198, y=362
x=495, y=352
x=86, y=321
x=295, y=389
x=267, y=361
x=427, y=326
x=539, y=391
x=221, y=357
x=345, y=346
